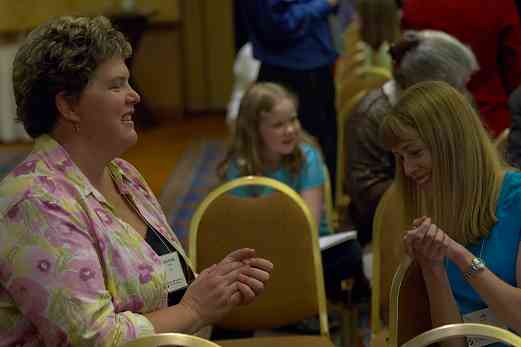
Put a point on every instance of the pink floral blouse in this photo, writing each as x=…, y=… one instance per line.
x=71, y=272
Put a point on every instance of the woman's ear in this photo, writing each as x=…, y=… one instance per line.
x=65, y=106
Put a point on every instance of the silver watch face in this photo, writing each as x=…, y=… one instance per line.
x=477, y=264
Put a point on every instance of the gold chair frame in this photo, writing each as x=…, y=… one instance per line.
x=461, y=330
x=313, y=236
x=361, y=78
x=171, y=339
x=388, y=253
x=409, y=308
x=331, y=215
x=341, y=198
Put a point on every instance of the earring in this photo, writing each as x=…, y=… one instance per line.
x=76, y=127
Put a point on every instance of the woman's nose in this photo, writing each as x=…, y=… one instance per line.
x=290, y=129
x=134, y=96
x=409, y=167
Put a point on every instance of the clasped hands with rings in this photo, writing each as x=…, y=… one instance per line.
x=235, y=280
x=427, y=243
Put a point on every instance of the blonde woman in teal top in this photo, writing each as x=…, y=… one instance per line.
x=464, y=204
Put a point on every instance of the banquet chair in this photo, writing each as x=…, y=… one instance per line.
x=363, y=78
x=351, y=37
x=280, y=227
x=331, y=215
x=464, y=330
x=389, y=223
x=171, y=339
x=341, y=198
x=346, y=66
x=409, y=310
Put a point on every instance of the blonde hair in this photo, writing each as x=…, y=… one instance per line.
x=246, y=145
x=379, y=22
x=466, y=167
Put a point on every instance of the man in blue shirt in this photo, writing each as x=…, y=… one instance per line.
x=293, y=41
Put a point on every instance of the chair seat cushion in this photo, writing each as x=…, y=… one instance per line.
x=279, y=341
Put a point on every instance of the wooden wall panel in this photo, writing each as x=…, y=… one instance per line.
x=158, y=71
x=185, y=60
x=20, y=15
x=220, y=51
x=194, y=55
x=208, y=53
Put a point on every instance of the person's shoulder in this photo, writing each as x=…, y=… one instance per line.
x=373, y=104
x=310, y=151
x=131, y=173
x=368, y=113
x=29, y=179
x=125, y=166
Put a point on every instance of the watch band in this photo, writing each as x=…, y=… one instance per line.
x=477, y=265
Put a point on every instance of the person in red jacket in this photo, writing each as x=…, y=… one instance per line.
x=493, y=30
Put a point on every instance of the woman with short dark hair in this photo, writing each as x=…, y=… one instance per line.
x=87, y=257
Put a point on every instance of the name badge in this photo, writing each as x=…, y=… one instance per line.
x=175, y=277
x=484, y=316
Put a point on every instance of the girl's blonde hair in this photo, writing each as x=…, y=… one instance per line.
x=466, y=167
x=246, y=145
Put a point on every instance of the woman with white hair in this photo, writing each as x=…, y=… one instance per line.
x=418, y=56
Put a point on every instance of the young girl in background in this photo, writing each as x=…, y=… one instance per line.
x=268, y=141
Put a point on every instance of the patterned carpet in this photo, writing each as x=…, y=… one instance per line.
x=192, y=179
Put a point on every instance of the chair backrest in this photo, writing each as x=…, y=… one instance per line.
x=351, y=37
x=280, y=227
x=346, y=67
x=409, y=310
x=331, y=216
x=389, y=225
x=173, y=339
x=363, y=78
x=464, y=329
x=341, y=198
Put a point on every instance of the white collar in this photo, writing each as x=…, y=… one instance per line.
x=391, y=90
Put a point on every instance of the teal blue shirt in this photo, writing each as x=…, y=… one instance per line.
x=311, y=175
x=498, y=250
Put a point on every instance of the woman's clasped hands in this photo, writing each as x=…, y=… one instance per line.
x=235, y=280
x=427, y=243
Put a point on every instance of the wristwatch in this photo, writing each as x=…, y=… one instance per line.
x=477, y=265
